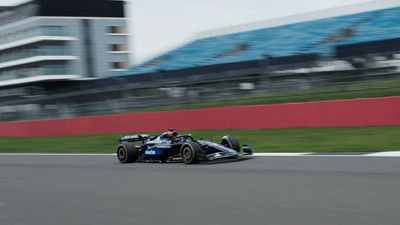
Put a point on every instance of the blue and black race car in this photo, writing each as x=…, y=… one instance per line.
x=177, y=148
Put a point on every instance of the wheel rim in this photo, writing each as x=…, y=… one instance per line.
x=121, y=153
x=187, y=153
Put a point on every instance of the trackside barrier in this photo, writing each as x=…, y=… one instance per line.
x=343, y=113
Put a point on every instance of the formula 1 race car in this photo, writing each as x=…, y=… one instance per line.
x=182, y=148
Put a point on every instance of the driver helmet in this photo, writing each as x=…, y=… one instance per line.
x=172, y=132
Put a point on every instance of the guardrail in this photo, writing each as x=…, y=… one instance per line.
x=120, y=95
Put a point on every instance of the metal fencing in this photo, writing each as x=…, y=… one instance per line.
x=137, y=97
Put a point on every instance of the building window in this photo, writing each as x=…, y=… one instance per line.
x=119, y=47
x=30, y=32
x=119, y=65
x=17, y=35
x=19, y=73
x=54, y=69
x=53, y=31
x=26, y=52
x=117, y=30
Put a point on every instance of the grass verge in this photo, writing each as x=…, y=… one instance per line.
x=349, y=139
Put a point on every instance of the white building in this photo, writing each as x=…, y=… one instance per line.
x=45, y=40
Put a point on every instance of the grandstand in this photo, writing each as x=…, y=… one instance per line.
x=343, y=48
x=344, y=37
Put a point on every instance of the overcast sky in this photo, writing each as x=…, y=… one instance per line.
x=158, y=25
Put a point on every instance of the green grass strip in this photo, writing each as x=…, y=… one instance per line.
x=349, y=139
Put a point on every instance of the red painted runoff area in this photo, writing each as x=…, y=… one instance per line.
x=343, y=113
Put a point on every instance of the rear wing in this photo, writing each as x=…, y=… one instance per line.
x=135, y=137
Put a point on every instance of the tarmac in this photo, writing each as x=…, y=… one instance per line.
x=97, y=189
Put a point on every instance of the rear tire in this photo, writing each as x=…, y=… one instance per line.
x=231, y=142
x=190, y=152
x=127, y=153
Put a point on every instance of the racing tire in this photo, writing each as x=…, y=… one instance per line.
x=231, y=142
x=190, y=152
x=127, y=153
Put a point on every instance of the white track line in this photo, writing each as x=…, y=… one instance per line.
x=384, y=154
x=304, y=155
x=280, y=154
x=309, y=154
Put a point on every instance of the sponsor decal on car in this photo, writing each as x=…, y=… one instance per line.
x=155, y=142
x=150, y=152
x=163, y=146
x=136, y=136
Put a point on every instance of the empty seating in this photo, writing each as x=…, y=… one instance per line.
x=321, y=37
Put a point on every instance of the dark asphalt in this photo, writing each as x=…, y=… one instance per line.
x=65, y=190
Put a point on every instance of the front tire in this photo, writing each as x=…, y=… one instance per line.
x=127, y=153
x=231, y=142
x=190, y=152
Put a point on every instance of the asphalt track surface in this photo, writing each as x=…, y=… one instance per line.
x=65, y=190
